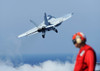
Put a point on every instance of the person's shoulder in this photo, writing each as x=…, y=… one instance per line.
x=88, y=47
x=90, y=53
x=89, y=50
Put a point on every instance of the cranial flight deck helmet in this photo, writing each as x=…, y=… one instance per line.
x=79, y=38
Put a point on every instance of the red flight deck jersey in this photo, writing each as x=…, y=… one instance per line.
x=86, y=59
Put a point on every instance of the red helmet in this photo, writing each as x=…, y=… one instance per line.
x=79, y=38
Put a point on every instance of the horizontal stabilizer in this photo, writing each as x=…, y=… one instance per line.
x=33, y=22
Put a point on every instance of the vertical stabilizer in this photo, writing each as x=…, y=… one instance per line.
x=45, y=19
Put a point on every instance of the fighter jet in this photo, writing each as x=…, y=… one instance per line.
x=49, y=23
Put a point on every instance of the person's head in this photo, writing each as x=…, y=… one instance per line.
x=79, y=39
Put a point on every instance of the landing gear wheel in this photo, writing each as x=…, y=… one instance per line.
x=43, y=36
x=56, y=31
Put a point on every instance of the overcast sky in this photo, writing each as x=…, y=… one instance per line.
x=15, y=16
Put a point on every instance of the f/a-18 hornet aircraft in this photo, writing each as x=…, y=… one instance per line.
x=49, y=23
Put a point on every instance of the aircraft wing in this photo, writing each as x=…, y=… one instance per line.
x=32, y=31
x=61, y=19
x=66, y=17
x=56, y=22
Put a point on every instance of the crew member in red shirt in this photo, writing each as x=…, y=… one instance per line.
x=86, y=58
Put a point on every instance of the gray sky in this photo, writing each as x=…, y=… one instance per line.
x=15, y=16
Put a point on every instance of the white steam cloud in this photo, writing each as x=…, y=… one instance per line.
x=45, y=66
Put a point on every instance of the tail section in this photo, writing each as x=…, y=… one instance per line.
x=45, y=19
